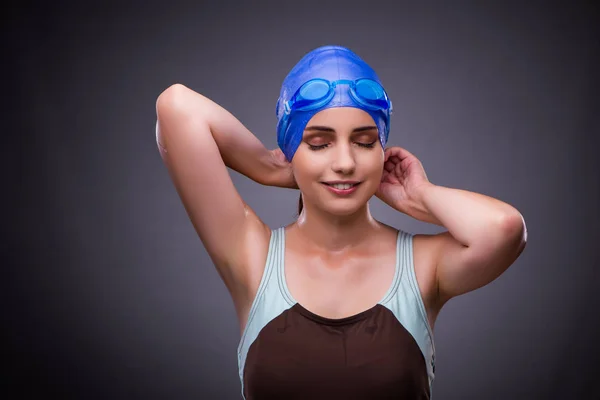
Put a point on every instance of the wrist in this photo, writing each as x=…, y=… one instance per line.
x=419, y=195
x=419, y=208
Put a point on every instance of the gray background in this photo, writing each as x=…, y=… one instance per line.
x=109, y=292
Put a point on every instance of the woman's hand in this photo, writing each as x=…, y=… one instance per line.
x=402, y=180
x=281, y=171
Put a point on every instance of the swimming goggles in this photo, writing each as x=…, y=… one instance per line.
x=317, y=92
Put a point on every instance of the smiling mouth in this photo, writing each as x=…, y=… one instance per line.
x=342, y=186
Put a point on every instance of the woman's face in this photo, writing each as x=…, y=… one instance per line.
x=339, y=144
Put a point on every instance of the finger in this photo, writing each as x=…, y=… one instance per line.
x=399, y=170
x=387, y=154
x=389, y=166
x=279, y=156
x=400, y=152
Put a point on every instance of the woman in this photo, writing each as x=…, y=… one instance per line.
x=336, y=304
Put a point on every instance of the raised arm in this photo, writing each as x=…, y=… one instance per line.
x=197, y=139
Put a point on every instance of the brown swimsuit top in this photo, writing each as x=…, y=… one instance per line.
x=385, y=352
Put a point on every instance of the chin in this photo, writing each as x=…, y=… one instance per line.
x=345, y=207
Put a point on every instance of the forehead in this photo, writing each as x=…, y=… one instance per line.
x=341, y=118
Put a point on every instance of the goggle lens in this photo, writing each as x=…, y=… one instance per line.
x=369, y=90
x=314, y=90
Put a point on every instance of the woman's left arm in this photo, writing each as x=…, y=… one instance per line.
x=485, y=235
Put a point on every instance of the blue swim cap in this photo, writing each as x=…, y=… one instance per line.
x=331, y=63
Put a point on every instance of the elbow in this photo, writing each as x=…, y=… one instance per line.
x=515, y=228
x=514, y=224
x=179, y=109
x=170, y=99
x=178, y=102
x=168, y=110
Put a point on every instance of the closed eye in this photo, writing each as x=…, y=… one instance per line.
x=322, y=146
x=367, y=145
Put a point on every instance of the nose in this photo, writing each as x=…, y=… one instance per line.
x=344, y=162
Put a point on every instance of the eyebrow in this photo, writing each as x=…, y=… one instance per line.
x=319, y=129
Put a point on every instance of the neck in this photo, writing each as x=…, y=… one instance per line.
x=336, y=234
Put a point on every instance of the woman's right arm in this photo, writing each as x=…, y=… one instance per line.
x=197, y=140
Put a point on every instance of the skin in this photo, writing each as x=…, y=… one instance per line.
x=329, y=222
x=336, y=249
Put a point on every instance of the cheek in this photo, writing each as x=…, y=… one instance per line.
x=372, y=164
x=308, y=176
x=375, y=173
x=306, y=169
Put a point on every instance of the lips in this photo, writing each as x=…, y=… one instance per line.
x=342, y=184
x=337, y=191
